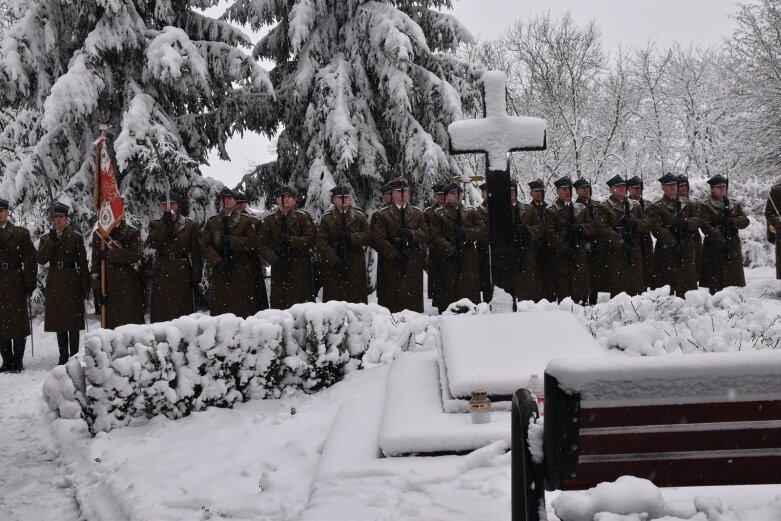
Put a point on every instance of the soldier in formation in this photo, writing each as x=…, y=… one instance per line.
x=342, y=234
x=179, y=267
x=228, y=245
x=434, y=260
x=286, y=237
x=400, y=233
x=258, y=266
x=455, y=229
x=18, y=270
x=67, y=283
x=683, y=191
x=673, y=223
x=527, y=230
x=593, y=245
x=117, y=259
x=773, y=216
x=634, y=186
x=722, y=255
x=549, y=240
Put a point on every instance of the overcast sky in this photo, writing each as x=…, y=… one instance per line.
x=623, y=23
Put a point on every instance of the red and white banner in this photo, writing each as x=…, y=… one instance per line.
x=108, y=203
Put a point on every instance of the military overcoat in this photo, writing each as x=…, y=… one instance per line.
x=67, y=282
x=621, y=264
x=646, y=248
x=123, y=286
x=258, y=268
x=463, y=282
x=18, y=271
x=570, y=264
x=674, y=268
x=400, y=290
x=178, y=267
x=233, y=288
x=291, y=282
x=722, y=258
x=594, y=247
x=528, y=283
x=345, y=266
x=773, y=216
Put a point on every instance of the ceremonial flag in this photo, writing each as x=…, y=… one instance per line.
x=108, y=204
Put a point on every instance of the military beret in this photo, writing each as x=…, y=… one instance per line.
x=484, y=186
x=616, y=180
x=668, y=178
x=453, y=187
x=718, y=180
x=563, y=182
x=634, y=181
x=170, y=197
x=398, y=183
x=60, y=209
x=438, y=188
x=226, y=192
x=537, y=184
x=581, y=182
x=683, y=180
x=340, y=190
x=284, y=190
x=240, y=197
x=3, y=204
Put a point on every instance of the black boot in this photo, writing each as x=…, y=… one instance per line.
x=19, y=346
x=62, y=343
x=8, y=356
x=73, y=339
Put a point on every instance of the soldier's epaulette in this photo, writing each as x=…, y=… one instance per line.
x=330, y=210
x=299, y=210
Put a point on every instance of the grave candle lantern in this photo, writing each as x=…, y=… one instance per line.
x=480, y=406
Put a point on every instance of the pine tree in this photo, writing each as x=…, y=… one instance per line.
x=366, y=91
x=171, y=84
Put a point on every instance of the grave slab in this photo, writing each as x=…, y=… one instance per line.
x=414, y=421
x=499, y=352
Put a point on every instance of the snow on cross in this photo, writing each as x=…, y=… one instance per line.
x=498, y=133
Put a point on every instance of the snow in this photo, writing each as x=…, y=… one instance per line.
x=260, y=461
x=498, y=133
x=500, y=352
x=627, y=495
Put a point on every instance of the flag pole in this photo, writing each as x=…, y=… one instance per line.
x=103, y=292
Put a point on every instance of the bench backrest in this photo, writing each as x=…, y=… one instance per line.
x=677, y=420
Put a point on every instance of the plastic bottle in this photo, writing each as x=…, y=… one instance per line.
x=534, y=385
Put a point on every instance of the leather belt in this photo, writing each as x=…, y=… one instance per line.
x=63, y=264
x=10, y=265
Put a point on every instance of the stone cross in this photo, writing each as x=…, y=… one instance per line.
x=496, y=135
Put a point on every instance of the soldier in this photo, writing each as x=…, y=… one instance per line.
x=433, y=259
x=179, y=266
x=593, y=245
x=622, y=223
x=258, y=266
x=341, y=236
x=634, y=186
x=683, y=191
x=228, y=245
x=400, y=233
x=124, y=298
x=67, y=283
x=527, y=231
x=773, y=216
x=286, y=237
x=574, y=227
x=722, y=257
x=483, y=248
x=454, y=231
x=549, y=241
x=17, y=282
x=673, y=221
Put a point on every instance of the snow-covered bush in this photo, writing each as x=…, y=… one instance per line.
x=185, y=365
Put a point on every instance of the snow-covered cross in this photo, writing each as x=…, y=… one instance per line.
x=496, y=135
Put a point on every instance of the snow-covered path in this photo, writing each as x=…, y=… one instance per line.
x=32, y=486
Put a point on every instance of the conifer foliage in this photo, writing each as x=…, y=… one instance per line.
x=170, y=82
x=366, y=90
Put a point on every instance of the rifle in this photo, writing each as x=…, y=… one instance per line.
x=572, y=237
x=458, y=239
x=402, y=239
x=283, y=249
x=727, y=225
x=679, y=230
x=228, y=258
x=520, y=237
x=545, y=248
x=343, y=246
x=628, y=232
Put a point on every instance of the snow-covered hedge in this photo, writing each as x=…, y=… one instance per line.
x=188, y=364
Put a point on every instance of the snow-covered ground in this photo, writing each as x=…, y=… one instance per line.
x=314, y=457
